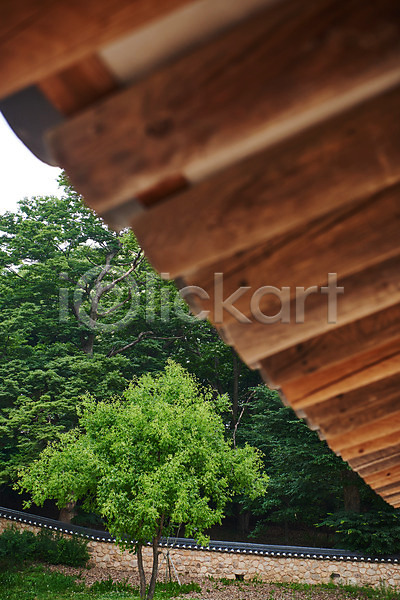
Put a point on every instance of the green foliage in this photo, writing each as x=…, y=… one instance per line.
x=149, y=461
x=38, y=583
x=82, y=312
x=305, y=475
x=382, y=592
x=170, y=589
x=376, y=533
x=17, y=546
x=155, y=457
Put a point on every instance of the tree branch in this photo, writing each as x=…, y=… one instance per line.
x=140, y=337
x=240, y=417
x=114, y=308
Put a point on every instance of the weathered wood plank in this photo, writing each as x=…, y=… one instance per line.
x=387, y=489
x=377, y=444
x=392, y=496
x=38, y=39
x=374, y=457
x=384, y=463
x=383, y=477
x=327, y=56
x=357, y=341
x=327, y=383
x=78, y=86
x=351, y=156
x=363, y=405
x=365, y=293
x=393, y=500
x=304, y=258
x=384, y=427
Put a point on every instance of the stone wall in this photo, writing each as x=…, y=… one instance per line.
x=203, y=563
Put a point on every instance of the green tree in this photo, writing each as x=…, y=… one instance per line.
x=307, y=480
x=148, y=462
x=83, y=311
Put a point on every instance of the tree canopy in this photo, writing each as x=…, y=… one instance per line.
x=83, y=311
x=148, y=462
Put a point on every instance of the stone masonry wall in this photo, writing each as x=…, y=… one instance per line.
x=203, y=563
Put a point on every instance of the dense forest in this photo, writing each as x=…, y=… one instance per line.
x=82, y=311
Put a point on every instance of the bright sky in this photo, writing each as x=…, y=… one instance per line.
x=21, y=173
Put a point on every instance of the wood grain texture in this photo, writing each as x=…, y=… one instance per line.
x=37, y=39
x=304, y=258
x=384, y=477
x=178, y=120
x=348, y=345
x=374, y=457
x=343, y=413
x=351, y=156
x=368, y=433
x=384, y=463
x=365, y=293
x=78, y=86
x=379, y=443
x=331, y=381
x=388, y=489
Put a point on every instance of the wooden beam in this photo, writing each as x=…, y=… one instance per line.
x=364, y=369
x=357, y=341
x=387, y=489
x=385, y=426
x=393, y=500
x=340, y=160
x=384, y=477
x=304, y=258
x=37, y=39
x=377, y=444
x=374, y=457
x=192, y=118
x=363, y=405
x=392, y=495
x=78, y=86
x=365, y=293
x=377, y=466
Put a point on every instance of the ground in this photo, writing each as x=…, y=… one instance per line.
x=237, y=590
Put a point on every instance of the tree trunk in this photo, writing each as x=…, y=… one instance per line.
x=286, y=531
x=154, y=573
x=142, y=575
x=68, y=512
x=351, y=493
x=88, y=343
x=235, y=391
x=244, y=520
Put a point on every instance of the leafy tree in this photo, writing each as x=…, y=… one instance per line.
x=148, y=462
x=376, y=532
x=83, y=311
x=307, y=480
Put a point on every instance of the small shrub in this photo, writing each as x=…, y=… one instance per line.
x=376, y=533
x=72, y=552
x=17, y=546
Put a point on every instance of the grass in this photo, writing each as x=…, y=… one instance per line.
x=38, y=583
x=352, y=591
x=32, y=582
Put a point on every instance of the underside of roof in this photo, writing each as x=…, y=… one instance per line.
x=254, y=149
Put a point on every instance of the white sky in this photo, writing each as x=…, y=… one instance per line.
x=21, y=173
